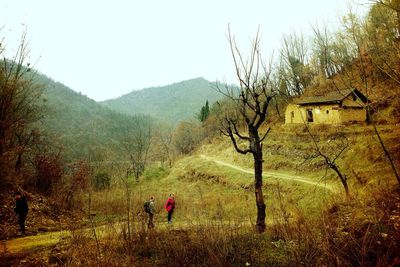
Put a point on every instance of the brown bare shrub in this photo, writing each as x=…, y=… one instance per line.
x=49, y=171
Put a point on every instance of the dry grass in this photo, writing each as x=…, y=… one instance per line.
x=205, y=245
x=213, y=223
x=215, y=214
x=354, y=232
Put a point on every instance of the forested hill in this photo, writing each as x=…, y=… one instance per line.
x=82, y=127
x=178, y=101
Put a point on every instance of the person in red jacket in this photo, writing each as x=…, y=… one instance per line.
x=170, y=206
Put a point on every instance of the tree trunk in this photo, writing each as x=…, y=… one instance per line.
x=387, y=154
x=343, y=179
x=258, y=191
x=397, y=8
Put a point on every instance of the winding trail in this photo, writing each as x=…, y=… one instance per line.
x=275, y=175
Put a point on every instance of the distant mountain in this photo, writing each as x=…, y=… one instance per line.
x=175, y=102
x=81, y=126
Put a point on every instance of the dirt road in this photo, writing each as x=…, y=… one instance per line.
x=276, y=175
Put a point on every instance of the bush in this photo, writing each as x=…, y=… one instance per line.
x=102, y=181
x=78, y=182
x=155, y=173
x=186, y=137
x=48, y=172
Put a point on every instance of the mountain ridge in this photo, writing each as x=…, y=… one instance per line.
x=173, y=102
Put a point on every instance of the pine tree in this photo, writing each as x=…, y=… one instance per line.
x=204, y=112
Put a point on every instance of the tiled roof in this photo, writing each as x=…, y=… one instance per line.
x=331, y=97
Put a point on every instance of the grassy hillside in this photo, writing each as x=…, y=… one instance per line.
x=288, y=149
x=178, y=101
x=309, y=220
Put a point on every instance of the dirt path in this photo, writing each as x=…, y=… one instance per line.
x=21, y=244
x=28, y=242
x=45, y=240
x=276, y=175
x=48, y=239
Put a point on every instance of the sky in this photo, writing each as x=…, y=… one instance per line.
x=105, y=49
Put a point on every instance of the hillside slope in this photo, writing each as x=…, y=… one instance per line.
x=178, y=101
x=81, y=126
x=290, y=149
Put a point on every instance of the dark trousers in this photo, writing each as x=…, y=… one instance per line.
x=21, y=221
x=150, y=224
x=170, y=214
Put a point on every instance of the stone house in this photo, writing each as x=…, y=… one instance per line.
x=337, y=107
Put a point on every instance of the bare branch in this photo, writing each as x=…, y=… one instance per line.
x=345, y=146
x=265, y=135
x=241, y=151
x=236, y=132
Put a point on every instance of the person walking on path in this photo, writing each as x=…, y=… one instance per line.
x=170, y=206
x=150, y=210
x=21, y=209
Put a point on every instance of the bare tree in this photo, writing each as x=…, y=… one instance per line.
x=294, y=68
x=325, y=52
x=185, y=137
x=19, y=107
x=330, y=158
x=383, y=37
x=128, y=195
x=165, y=138
x=93, y=226
x=251, y=107
x=136, y=141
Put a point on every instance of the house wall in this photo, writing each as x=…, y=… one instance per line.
x=353, y=115
x=324, y=114
x=328, y=114
x=294, y=114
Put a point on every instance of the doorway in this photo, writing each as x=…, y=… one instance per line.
x=310, y=117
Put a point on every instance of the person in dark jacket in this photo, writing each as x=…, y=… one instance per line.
x=170, y=207
x=150, y=210
x=21, y=209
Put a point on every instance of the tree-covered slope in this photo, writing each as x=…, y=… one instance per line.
x=178, y=101
x=81, y=126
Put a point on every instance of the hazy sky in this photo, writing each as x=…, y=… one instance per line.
x=105, y=49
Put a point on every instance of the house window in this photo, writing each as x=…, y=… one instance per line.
x=309, y=115
x=292, y=114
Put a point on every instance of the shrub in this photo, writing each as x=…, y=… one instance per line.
x=78, y=183
x=102, y=181
x=48, y=172
x=186, y=137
